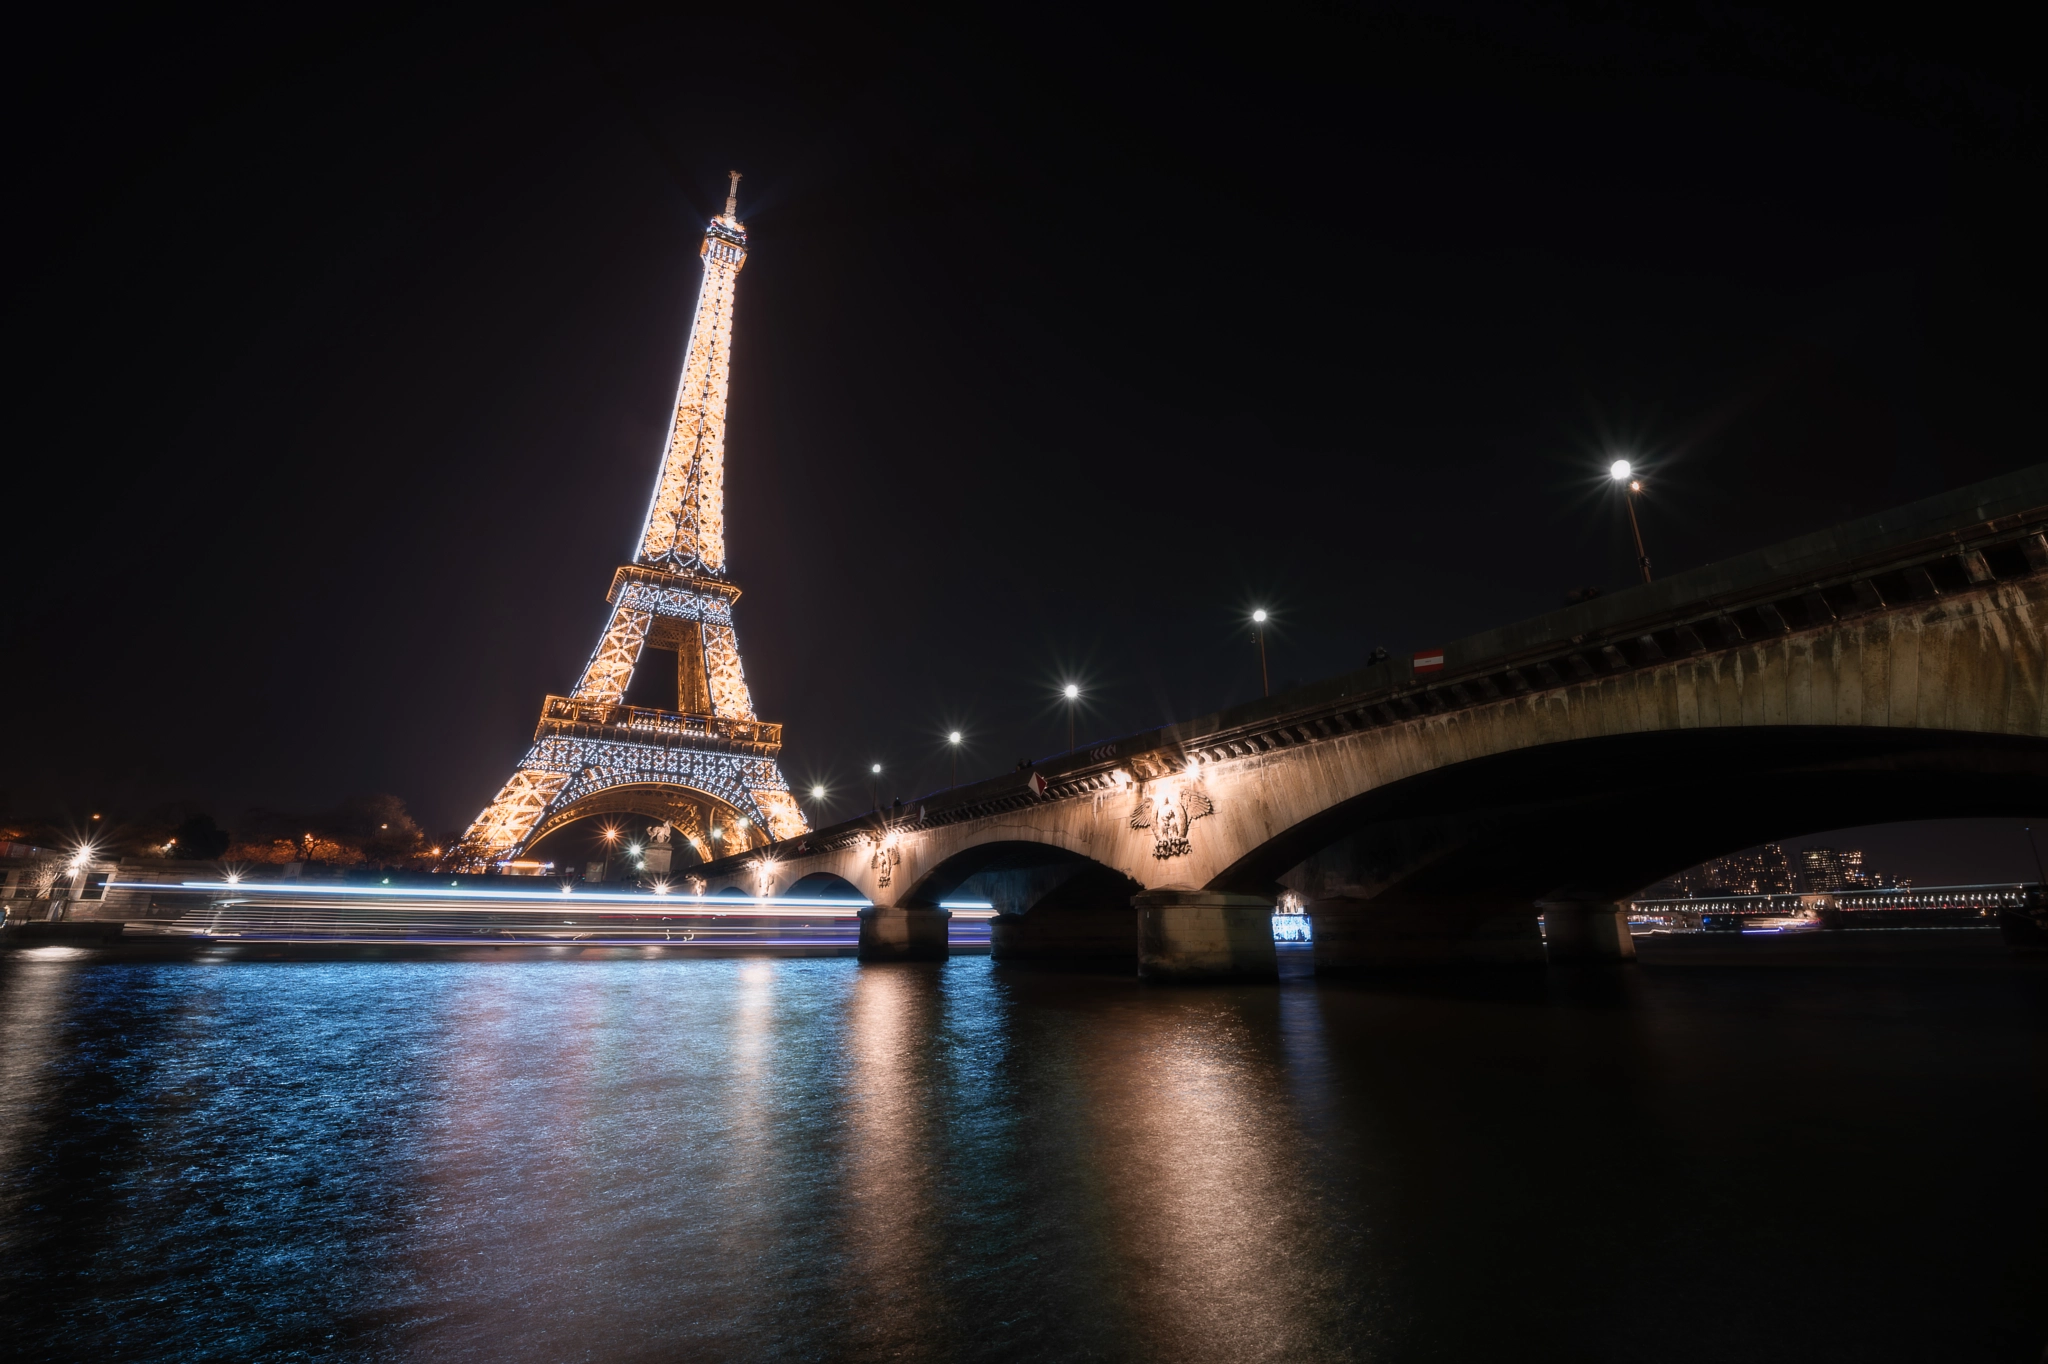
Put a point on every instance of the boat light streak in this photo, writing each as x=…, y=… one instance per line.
x=667, y=903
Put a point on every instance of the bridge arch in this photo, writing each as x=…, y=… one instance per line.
x=823, y=885
x=1454, y=860
x=1616, y=812
x=1052, y=905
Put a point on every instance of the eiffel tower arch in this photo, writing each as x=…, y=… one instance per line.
x=710, y=766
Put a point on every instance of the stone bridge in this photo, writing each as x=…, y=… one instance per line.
x=1889, y=668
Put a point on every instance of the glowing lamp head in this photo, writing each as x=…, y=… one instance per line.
x=1635, y=485
x=954, y=737
x=876, y=769
x=1071, y=692
x=1620, y=471
x=817, y=793
x=611, y=835
x=1260, y=615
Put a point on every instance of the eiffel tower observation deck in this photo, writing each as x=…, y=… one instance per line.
x=708, y=767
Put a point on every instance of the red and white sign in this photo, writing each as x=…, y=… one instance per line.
x=1038, y=784
x=1429, y=661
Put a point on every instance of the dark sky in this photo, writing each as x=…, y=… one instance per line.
x=351, y=337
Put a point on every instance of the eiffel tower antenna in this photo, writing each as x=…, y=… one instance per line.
x=709, y=767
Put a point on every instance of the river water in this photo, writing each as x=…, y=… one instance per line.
x=620, y=1156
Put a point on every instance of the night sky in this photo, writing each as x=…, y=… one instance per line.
x=351, y=338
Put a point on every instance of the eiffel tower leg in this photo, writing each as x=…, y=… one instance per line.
x=509, y=820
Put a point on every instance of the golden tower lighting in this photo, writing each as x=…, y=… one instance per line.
x=711, y=764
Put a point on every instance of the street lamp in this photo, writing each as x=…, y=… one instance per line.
x=611, y=836
x=953, y=741
x=1072, y=692
x=1622, y=472
x=875, y=784
x=1259, y=630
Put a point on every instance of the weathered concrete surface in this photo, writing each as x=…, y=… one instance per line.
x=1205, y=935
x=1738, y=703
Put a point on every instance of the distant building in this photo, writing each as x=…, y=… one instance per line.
x=1840, y=869
x=1767, y=870
x=1753, y=871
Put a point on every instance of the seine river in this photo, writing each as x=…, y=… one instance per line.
x=626, y=1157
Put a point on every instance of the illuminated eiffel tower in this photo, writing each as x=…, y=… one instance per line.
x=709, y=766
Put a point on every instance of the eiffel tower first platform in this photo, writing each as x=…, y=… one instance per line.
x=709, y=767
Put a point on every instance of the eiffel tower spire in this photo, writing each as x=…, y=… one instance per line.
x=709, y=766
x=685, y=529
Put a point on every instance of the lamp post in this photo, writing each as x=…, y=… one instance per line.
x=1622, y=472
x=953, y=742
x=611, y=836
x=1259, y=632
x=875, y=784
x=1073, y=694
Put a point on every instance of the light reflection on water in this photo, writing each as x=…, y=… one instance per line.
x=808, y=1159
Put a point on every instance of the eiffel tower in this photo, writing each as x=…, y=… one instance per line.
x=709, y=766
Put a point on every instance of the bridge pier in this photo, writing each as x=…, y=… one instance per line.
x=891, y=934
x=1204, y=935
x=1586, y=930
x=1354, y=934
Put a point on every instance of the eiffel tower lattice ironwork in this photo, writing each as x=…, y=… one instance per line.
x=709, y=766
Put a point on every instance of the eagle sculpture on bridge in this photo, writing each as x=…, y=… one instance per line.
x=1168, y=815
x=883, y=858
